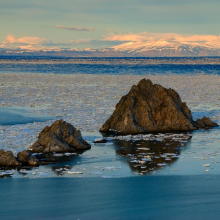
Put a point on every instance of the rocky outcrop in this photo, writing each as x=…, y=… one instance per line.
x=58, y=138
x=150, y=107
x=205, y=122
x=26, y=158
x=7, y=159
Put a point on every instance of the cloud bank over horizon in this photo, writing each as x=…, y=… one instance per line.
x=112, y=40
x=146, y=36
x=26, y=43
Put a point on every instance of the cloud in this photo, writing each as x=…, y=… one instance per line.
x=199, y=38
x=74, y=28
x=124, y=37
x=27, y=43
x=94, y=43
x=170, y=37
x=27, y=40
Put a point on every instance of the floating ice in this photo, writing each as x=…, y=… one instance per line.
x=161, y=164
x=7, y=173
x=93, y=98
x=146, y=159
x=97, y=173
x=155, y=137
x=43, y=173
x=74, y=172
x=206, y=165
x=109, y=168
x=23, y=171
x=59, y=170
x=69, y=154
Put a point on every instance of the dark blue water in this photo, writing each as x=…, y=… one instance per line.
x=111, y=66
x=149, y=197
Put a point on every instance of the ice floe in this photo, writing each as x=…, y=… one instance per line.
x=87, y=101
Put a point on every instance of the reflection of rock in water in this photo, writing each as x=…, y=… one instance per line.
x=147, y=156
x=61, y=170
x=6, y=173
x=57, y=157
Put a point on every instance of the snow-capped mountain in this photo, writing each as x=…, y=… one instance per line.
x=166, y=48
x=160, y=48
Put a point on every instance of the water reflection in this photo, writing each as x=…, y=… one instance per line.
x=143, y=154
x=5, y=172
x=48, y=159
x=147, y=156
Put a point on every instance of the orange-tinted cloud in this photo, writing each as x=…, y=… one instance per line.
x=12, y=39
x=146, y=37
x=27, y=43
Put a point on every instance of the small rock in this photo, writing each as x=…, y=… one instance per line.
x=26, y=158
x=100, y=140
x=205, y=122
x=7, y=159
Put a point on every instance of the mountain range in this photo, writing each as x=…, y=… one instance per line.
x=159, y=48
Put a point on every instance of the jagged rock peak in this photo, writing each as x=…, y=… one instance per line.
x=150, y=107
x=61, y=136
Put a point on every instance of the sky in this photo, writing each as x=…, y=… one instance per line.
x=67, y=24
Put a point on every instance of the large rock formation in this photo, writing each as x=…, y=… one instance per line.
x=59, y=137
x=150, y=107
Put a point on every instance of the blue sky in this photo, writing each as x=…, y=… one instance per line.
x=103, y=23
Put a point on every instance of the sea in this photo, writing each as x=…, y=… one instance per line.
x=110, y=66
x=149, y=176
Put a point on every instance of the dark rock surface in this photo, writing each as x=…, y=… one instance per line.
x=60, y=137
x=205, y=122
x=100, y=140
x=26, y=158
x=7, y=159
x=150, y=107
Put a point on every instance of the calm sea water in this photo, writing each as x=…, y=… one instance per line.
x=149, y=197
x=177, y=191
x=110, y=66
